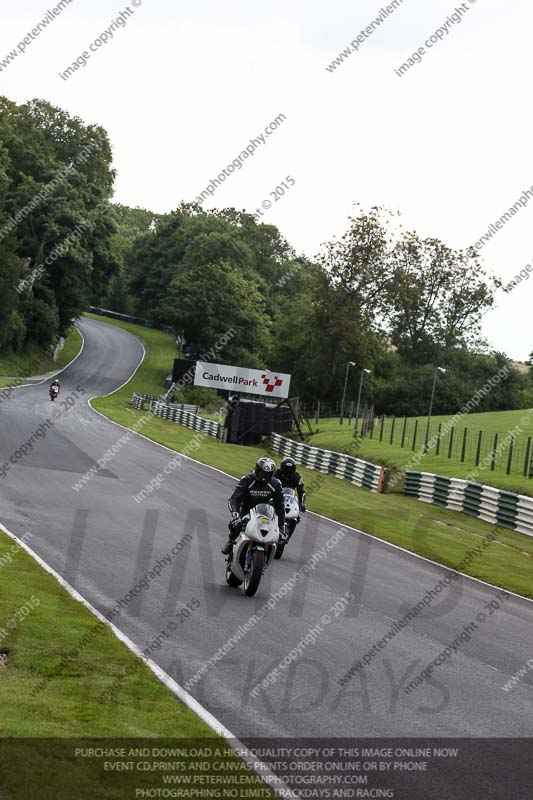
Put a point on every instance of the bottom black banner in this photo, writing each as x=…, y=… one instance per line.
x=405, y=769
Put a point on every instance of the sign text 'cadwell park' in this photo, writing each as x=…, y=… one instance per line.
x=251, y=381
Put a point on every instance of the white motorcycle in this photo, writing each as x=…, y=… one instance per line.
x=292, y=517
x=253, y=550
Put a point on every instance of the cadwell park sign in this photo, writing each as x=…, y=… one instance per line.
x=238, y=379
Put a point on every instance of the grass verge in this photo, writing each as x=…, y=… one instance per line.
x=332, y=436
x=437, y=533
x=73, y=345
x=33, y=362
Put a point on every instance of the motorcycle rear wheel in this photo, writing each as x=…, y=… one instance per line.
x=252, y=577
x=289, y=529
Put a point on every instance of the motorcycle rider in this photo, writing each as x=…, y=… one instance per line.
x=54, y=385
x=258, y=486
x=292, y=479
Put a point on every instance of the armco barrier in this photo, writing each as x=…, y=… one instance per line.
x=484, y=502
x=139, y=401
x=349, y=468
x=188, y=418
x=148, y=323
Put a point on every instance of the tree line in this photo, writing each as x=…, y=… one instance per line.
x=380, y=296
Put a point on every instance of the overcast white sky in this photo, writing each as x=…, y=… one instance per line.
x=184, y=86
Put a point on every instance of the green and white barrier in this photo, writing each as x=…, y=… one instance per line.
x=140, y=401
x=180, y=415
x=176, y=412
x=355, y=470
x=485, y=502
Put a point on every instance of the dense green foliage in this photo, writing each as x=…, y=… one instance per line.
x=131, y=224
x=401, y=387
x=56, y=229
x=378, y=296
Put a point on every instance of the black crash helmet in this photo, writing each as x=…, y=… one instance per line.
x=288, y=466
x=264, y=469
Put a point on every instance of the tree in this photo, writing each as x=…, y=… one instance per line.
x=435, y=297
x=131, y=224
x=273, y=257
x=317, y=331
x=155, y=260
x=359, y=263
x=60, y=181
x=208, y=302
x=330, y=315
x=468, y=295
x=12, y=327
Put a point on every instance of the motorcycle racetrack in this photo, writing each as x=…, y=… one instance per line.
x=281, y=664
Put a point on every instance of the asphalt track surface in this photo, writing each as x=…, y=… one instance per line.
x=104, y=543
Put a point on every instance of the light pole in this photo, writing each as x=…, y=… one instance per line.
x=348, y=365
x=359, y=400
x=426, y=438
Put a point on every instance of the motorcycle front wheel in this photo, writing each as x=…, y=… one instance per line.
x=253, y=572
x=231, y=578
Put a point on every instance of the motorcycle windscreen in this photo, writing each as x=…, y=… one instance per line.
x=265, y=510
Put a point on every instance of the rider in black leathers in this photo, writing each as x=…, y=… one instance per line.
x=289, y=477
x=259, y=486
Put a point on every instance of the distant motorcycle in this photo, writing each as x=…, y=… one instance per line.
x=53, y=392
x=253, y=549
x=292, y=518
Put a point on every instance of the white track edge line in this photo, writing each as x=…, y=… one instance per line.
x=178, y=691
